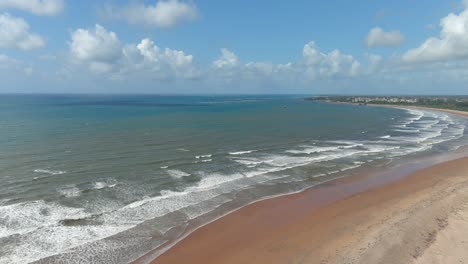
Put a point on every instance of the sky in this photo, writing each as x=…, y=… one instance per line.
x=234, y=47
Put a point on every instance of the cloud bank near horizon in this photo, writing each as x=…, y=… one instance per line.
x=97, y=54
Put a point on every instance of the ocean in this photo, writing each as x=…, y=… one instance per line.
x=107, y=179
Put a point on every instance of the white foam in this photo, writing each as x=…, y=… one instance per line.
x=426, y=124
x=416, y=115
x=50, y=172
x=204, y=156
x=104, y=184
x=183, y=149
x=380, y=148
x=314, y=149
x=42, y=235
x=23, y=218
x=347, y=144
x=249, y=161
x=311, y=150
x=213, y=180
x=287, y=162
x=319, y=175
x=241, y=152
x=165, y=194
x=177, y=174
x=70, y=191
x=350, y=168
x=385, y=137
x=407, y=130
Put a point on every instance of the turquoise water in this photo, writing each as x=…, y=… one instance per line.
x=105, y=179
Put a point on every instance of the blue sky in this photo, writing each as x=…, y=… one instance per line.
x=202, y=46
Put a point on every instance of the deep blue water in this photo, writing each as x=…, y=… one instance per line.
x=81, y=172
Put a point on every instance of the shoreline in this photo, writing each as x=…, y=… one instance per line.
x=455, y=112
x=189, y=247
x=450, y=111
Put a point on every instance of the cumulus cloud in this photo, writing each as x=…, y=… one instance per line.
x=167, y=61
x=377, y=37
x=452, y=43
x=335, y=63
x=229, y=66
x=102, y=52
x=96, y=44
x=14, y=33
x=38, y=7
x=227, y=59
x=314, y=65
x=164, y=13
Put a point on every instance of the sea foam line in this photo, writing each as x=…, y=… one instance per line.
x=241, y=152
x=51, y=172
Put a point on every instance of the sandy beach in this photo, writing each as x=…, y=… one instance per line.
x=405, y=216
x=450, y=111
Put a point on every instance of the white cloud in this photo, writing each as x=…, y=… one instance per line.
x=38, y=7
x=168, y=61
x=452, y=42
x=96, y=45
x=102, y=52
x=314, y=65
x=227, y=59
x=229, y=68
x=14, y=33
x=335, y=63
x=375, y=62
x=6, y=61
x=377, y=37
x=164, y=13
x=11, y=65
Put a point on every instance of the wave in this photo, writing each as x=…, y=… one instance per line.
x=204, y=156
x=50, y=172
x=313, y=149
x=214, y=184
x=416, y=115
x=241, y=152
x=407, y=130
x=248, y=161
x=70, y=191
x=22, y=218
x=41, y=223
x=39, y=230
x=183, y=149
x=177, y=174
x=103, y=184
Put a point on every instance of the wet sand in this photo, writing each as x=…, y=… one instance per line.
x=413, y=219
x=414, y=214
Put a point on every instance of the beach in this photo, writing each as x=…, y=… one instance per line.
x=450, y=111
x=203, y=179
x=417, y=213
x=421, y=218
